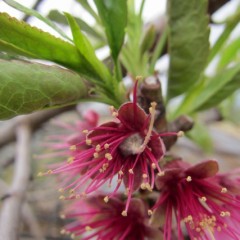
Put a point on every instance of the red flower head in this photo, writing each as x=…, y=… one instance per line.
x=197, y=200
x=128, y=148
x=96, y=219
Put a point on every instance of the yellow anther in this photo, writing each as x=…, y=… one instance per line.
x=124, y=213
x=98, y=148
x=88, y=228
x=111, y=108
x=138, y=78
x=61, y=190
x=85, y=131
x=222, y=214
x=73, y=147
x=204, y=199
x=130, y=170
x=88, y=141
x=228, y=214
x=145, y=175
x=70, y=160
x=180, y=134
x=95, y=155
x=224, y=190
x=63, y=231
x=160, y=174
x=154, y=166
x=77, y=196
x=150, y=212
x=106, y=146
x=62, y=216
x=143, y=186
x=40, y=174
x=189, y=179
x=114, y=114
x=49, y=172
x=61, y=197
x=72, y=191
x=106, y=199
x=120, y=172
x=72, y=236
x=108, y=156
x=148, y=187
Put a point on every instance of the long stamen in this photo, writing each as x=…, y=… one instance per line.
x=152, y=111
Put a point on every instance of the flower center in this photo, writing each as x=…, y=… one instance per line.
x=131, y=145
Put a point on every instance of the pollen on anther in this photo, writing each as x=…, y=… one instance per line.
x=106, y=146
x=61, y=197
x=150, y=212
x=70, y=160
x=61, y=190
x=120, y=172
x=144, y=175
x=154, y=166
x=224, y=190
x=88, y=141
x=85, y=131
x=88, y=228
x=130, y=170
x=124, y=213
x=95, y=155
x=72, y=235
x=114, y=114
x=180, y=134
x=143, y=186
x=160, y=174
x=49, y=172
x=40, y=174
x=189, y=179
x=98, y=148
x=106, y=199
x=204, y=199
x=108, y=156
x=73, y=147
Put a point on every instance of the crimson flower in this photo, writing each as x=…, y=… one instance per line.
x=128, y=148
x=194, y=199
x=96, y=219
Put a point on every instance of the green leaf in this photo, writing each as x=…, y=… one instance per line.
x=114, y=18
x=229, y=54
x=58, y=17
x=188, y=43
x=87, y=51
x=30, y=41
x=88, y=8
x=211, y=92
x=36, y=14
x=27, y=87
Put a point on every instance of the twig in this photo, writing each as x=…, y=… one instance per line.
x=27, y=214
x=35, y=120
x=10, y=215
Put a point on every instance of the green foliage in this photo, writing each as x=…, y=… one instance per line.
x=36, y=14
x=27, y=87
x=211, y=91
x=114, y=18
x=58, y=17
x=188, y=44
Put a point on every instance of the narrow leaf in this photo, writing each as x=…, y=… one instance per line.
x=188, y=43
x=30, y=41
x=114, y=18
x=58, y=17
x=87, y=51
x=32, y=12
x=27, y=87
x=211, y=91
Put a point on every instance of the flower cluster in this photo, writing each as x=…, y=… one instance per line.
x=196, y=196
x=181, y=201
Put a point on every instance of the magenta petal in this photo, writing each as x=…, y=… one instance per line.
x=158, y=148
x=169, y=176
x=203, y=170
x=91, y=117
x=132, y=116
